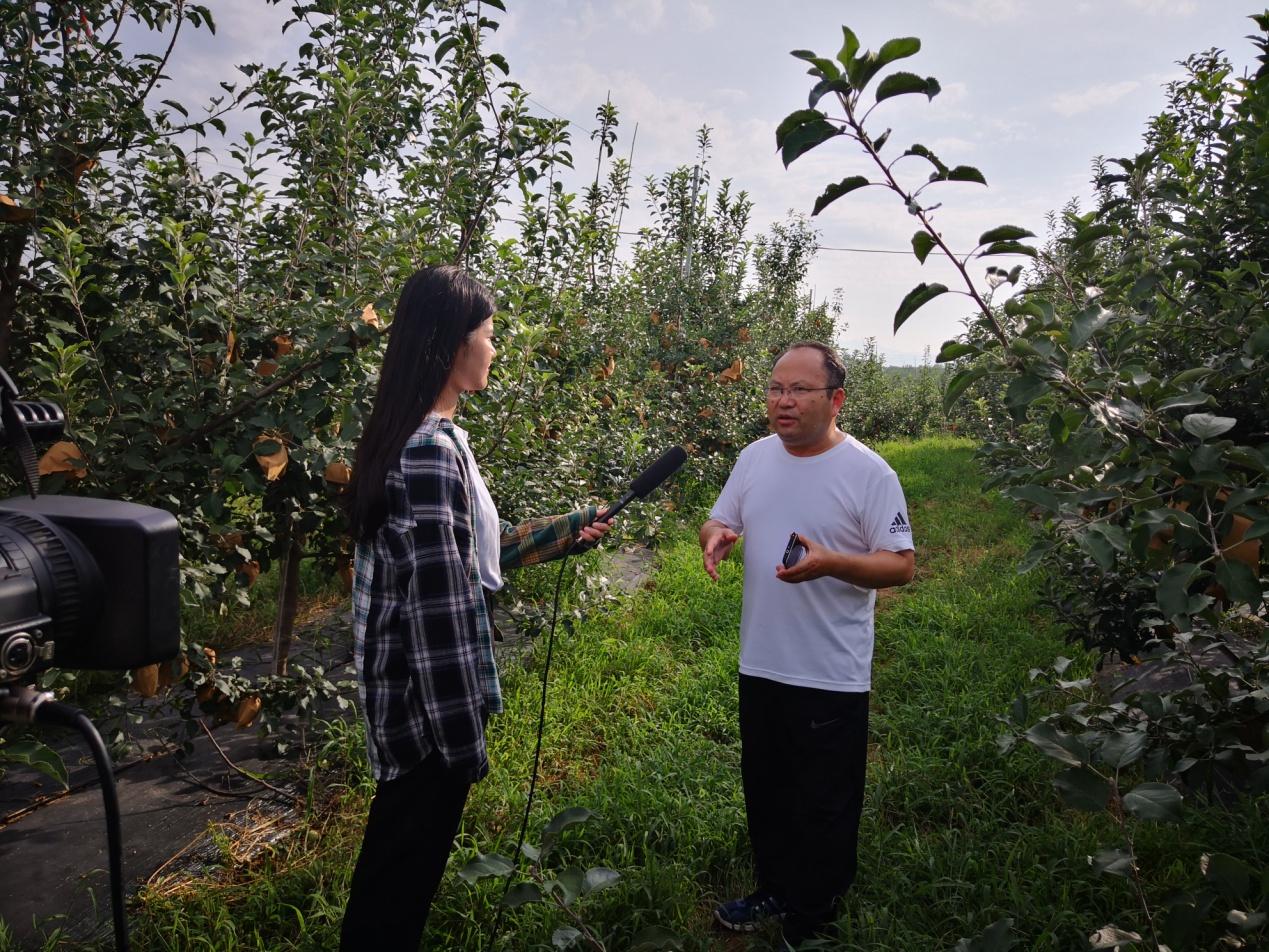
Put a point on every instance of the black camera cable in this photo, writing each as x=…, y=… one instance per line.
x=24, y=704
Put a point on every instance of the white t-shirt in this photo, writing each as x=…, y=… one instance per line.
x=816, y=634
x=488, y=527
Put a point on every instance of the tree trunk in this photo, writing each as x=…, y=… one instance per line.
x=288, y=603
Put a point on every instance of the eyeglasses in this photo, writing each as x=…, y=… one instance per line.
x=777, y=392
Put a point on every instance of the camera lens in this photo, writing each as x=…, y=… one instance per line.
x=45, y=576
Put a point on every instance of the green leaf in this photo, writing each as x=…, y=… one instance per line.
x=850, y=47
x=1090, y=234
x=1112, y=937
x=806, y=137
x=1082, y=789
x=38, y=756
x=491, y=864
x=918, y=297
x=444, y=47
x=1008, y=248
x=1087, y=323
x=1112, y=862
x=565, y=936
x=1036, y=495
x=1206, y=425
x=959, y=384
x=1022, y=391
x=1231, y=877
x=1153, y=801
x=1035, y=555
x=570, y=882
x=1061, y=747
x=1059, y=429
x=655, y=939
x=597, y=878
x=1143, y=286
x=1195, y=398
x=566, y=818
x=1099, y=547
x=522, y=894
x=825, y=67
x=922, y=245
x=1004, y=233
x=998, y=937
x=793, y=120
x=965, y=173
x=899, y=84
x=1241, y=584
x=1172, y=592
x=266, y=448
x=824, y=87
x=836, y=191
x=923, y=152
x=897, y=49
x=1123, y=748
x=955, y=349
x=1182, y=923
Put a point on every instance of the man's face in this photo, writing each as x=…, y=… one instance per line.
x=802, y=421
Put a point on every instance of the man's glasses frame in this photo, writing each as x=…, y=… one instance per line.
x=777, y=392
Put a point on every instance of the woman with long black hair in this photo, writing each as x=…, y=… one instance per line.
x=429, y=542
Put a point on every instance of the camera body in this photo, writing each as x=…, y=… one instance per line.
x=84, y=582
x=793, y=552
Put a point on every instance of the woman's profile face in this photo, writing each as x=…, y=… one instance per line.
x=471, y=364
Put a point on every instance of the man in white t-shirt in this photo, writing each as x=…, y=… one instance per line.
x=806, y=637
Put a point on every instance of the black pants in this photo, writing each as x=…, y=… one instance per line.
x=409, y=835
x=803, y=757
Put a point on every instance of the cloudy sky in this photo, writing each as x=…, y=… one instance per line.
x=1032, y=91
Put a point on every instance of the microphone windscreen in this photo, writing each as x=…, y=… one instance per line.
x=666, y=466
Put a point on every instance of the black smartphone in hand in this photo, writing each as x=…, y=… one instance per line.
x=793, y=552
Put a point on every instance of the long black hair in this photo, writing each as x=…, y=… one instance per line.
x=439, y=307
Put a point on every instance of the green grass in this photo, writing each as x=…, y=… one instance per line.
x=642, y=730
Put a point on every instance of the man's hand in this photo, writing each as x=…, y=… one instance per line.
x=716, y=544
x=880, y=569
x=817, y=563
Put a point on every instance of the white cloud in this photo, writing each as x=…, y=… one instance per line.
x=1166, y=7
x=950, y=148
x=700, y=15
x=1094, y=97
x=643, y=16
x=953, y=93
x=984, y=11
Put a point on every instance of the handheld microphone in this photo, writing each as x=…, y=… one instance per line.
x=667, y=464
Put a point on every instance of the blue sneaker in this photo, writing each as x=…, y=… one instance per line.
x=745, y=915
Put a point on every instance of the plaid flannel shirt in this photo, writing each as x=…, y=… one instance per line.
x=422, y=636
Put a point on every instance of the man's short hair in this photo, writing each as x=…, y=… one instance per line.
x=834, y=367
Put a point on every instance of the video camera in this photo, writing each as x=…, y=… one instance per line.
x=84, y=583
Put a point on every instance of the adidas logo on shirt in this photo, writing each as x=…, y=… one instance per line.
x=900, y=524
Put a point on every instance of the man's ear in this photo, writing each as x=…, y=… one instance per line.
x=839, y=399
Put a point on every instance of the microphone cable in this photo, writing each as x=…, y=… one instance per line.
x=662, y=469
x=537, y=750
x=25, y=704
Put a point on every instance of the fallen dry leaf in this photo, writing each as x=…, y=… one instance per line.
x=64, y=457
